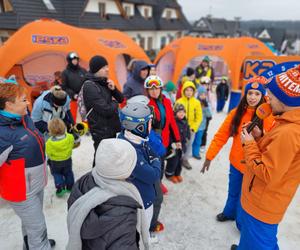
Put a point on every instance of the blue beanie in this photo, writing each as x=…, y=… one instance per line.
x=285, y=85
x=256, y=83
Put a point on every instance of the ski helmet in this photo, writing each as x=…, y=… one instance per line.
x=135, y=118
x=71, y=56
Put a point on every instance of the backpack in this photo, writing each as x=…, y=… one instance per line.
x=80, y=103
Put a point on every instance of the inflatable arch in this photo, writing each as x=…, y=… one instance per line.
x=174, y=58
x=39, y=49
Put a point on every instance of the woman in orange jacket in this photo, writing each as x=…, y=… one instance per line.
x=232, y=127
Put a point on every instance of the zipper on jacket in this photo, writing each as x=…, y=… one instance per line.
x=36, y=136
x=188, y=109
x=251, y=183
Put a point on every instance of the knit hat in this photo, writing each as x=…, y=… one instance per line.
x=59, y=96
x=256, y=83
x=97, y=63
x=115, y=159
x=202, y=90
x=206, y=59
x=178, y=107
x=190, y=71
x=286, y=85
x=170, y=86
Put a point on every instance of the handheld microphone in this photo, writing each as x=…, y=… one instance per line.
x=262, y=112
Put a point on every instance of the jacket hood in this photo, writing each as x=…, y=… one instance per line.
x=186, y=85
x=138, y=66
x=103, y=218
x=289, y=116
x=5, y=121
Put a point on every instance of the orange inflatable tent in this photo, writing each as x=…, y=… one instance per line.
x=177, y=55
x=39, y=49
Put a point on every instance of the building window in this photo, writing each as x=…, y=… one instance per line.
x=5, y=6
x=150, y=43
x=102, y=11
x=168, y=14
x=127, y=10
x=49, y=5
x=142, y=42
x=146, y=13
x=3, y=39
x=163, y=41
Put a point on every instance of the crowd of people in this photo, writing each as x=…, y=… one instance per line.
x=142, y=136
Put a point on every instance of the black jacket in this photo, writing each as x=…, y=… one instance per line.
x=222, y=91
x=72, y=80
x=104, y=119
x=184, y=131
x=110, y=226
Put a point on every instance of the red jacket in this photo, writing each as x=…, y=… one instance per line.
x=170, y=122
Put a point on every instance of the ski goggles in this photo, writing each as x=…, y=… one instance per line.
x=153, y=82
x=10, y=80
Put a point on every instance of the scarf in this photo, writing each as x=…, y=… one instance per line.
x=107, y=188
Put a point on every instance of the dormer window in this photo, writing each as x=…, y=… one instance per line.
x=168, y=14
x=49, y=5
x=128, y=9
x=5, y=6
x=102, y=10
x=146, y=11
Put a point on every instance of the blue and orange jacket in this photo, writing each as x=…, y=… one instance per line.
x=236, y=156
x=21, y=147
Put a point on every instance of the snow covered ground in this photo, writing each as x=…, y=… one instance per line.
x=188, y=210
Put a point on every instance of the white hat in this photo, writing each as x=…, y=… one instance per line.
x=115, y=159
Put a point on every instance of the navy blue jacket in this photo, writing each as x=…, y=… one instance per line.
x=25, y=139
x=135, y=84
x=146, y=171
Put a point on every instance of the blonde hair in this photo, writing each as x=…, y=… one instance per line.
x=56, y=127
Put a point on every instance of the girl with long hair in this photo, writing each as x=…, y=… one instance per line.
x=232, y=127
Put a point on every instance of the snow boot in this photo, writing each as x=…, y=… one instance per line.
x=222, y=217
x=234, y=247
x=179, y=178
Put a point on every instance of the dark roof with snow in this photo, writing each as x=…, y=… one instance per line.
x=216, y=26
x=277, y=35
x=72, y=12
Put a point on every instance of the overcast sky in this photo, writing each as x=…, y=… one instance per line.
x=246, y=9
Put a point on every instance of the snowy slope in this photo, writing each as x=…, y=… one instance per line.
x=188, y=210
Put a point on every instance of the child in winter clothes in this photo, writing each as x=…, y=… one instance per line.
x=173, y=169
x=105, y=209
x=59, y=151
x=136, y=123
x=207, y=114
x=193, y=115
